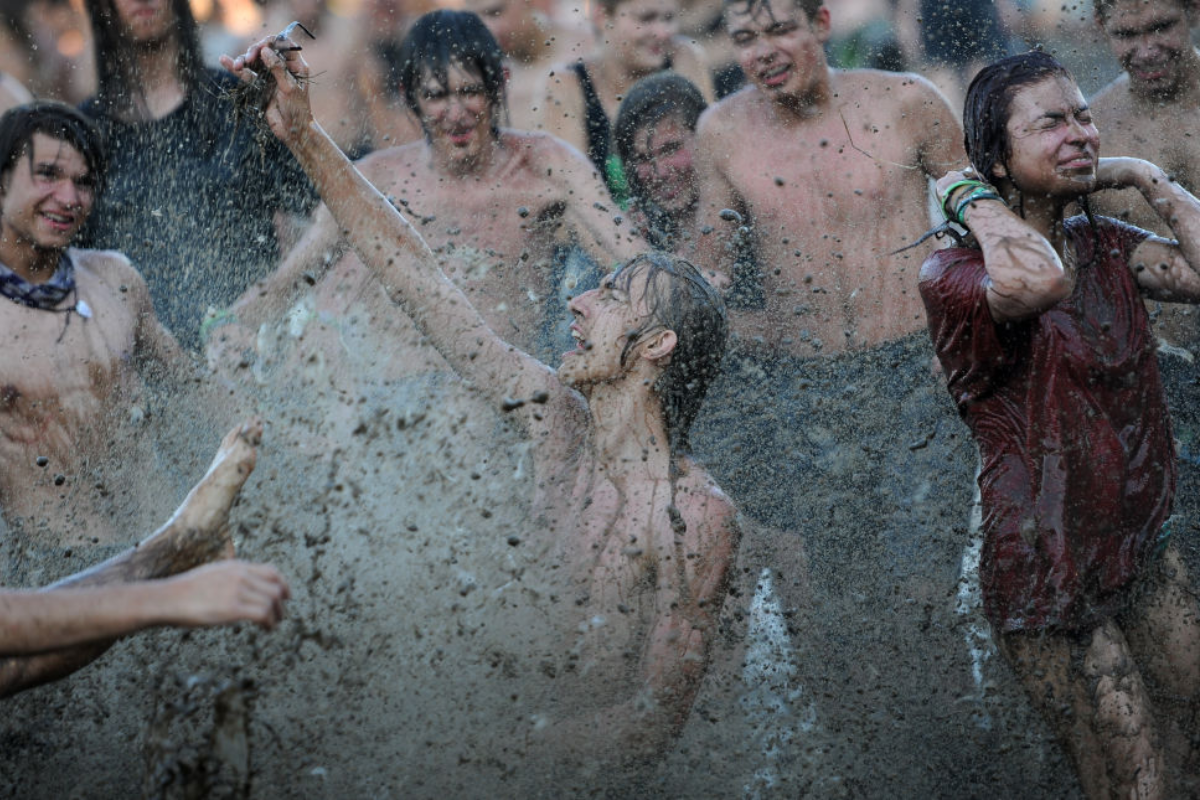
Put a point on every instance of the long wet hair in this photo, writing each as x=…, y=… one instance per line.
x=441, y=39
x=58, y=121
x=680, y=300
x=119, y=91
x=664, y=95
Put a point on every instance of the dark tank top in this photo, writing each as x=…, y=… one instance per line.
x=599, y=135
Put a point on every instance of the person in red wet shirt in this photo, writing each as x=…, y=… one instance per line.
x=1039, y=324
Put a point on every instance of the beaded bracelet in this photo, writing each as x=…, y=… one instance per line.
x=954, y=187
x=982, y=193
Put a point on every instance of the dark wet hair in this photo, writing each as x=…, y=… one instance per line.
x=442, y=38
x=119, y=91
x=988, y=105
x=664, y=95
x=58, y=121
x=809, y=7
x=1103, y=7
x=680, y=300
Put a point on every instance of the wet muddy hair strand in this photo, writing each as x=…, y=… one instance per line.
x=678, y=298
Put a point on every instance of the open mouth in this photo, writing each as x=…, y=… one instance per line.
x=62, y=222
x=774, y=77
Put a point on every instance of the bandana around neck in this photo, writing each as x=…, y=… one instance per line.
x=45, y=296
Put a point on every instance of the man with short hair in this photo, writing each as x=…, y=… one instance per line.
x=500, y=206
x=1149, y=111
x=826, y=173
x=79, y=328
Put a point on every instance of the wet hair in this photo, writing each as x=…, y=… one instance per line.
x=442, y=38
x=1103, y=7
x=988, y=105
x=58, y=121
x=664, y=95
x=119, y=91
x=678, y=299
x=809, y=7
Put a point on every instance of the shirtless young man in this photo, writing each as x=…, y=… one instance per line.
x=645, y=536
x=1145, y=110
x=494, y=204
x=78, y=327
x=828, y=381
x=47, y=634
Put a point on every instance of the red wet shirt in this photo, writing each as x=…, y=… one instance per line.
x=1078, y=467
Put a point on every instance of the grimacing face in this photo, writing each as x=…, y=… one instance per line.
x=1053, y=142
x=779, y=48
x=457, y=117
x=604, y=320
x=664, y=161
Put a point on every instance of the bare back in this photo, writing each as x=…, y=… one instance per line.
x=829, y=197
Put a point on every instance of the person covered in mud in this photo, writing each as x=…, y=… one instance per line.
x=1042, y=333
x=644, y=534
x=655, y=135
x=503, y=209
x=81, y=334
x=175, y=148
x=822, y=173
x=182, y=575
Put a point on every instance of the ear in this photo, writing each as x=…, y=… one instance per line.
x=599, y=15
x=660, y=345
x=999, y=170
x=821, y=24
x=507, y=73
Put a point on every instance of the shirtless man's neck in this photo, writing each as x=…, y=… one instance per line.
x=628, y=436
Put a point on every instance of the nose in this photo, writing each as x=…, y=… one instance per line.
x=762, y=49
x=579, y=302
x=68, y=194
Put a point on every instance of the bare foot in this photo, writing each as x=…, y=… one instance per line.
x=205, y=511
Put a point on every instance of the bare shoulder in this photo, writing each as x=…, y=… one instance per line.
x=1112, y=98
x=888, y=92
x=387, y=162
x=731, y=116
x=702, y=502
x=109, y=266
x=540, y=146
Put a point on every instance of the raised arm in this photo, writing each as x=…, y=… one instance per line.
x=1165, y=270
x=1025, y=275
x=390, y=247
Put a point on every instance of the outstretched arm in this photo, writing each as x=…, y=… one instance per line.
x=1165, y=270
x=82, y=614
x=1025, y=274
x=385, y=241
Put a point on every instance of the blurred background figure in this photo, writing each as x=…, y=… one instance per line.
x=382, y=25
x=175, y=152
x=655, y=134
x=44, y=46
x=533, y=41
x=864, y=36
x=635, y=38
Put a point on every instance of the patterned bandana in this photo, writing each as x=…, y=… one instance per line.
x=48, y=295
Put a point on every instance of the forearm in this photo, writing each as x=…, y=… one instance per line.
x=34, y=622
x=1176, y=206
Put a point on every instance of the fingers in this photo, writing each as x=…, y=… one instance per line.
x=262, y=595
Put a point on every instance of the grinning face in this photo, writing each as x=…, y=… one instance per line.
x=44, y=204
x=456, y=117
x=778, y=47
x=604, y=320
x=1152, y=41
x=1053, y=143
x=641, y=32
x=145, y=21
x=663, y=160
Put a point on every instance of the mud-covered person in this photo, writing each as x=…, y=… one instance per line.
x=1143, y=112
x=826, y=419
x=655, y=136
x=643, y=533
x=1042, y=332
x=496, y=205
x=182, y=575
x=80, y=336
x=175, y=148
